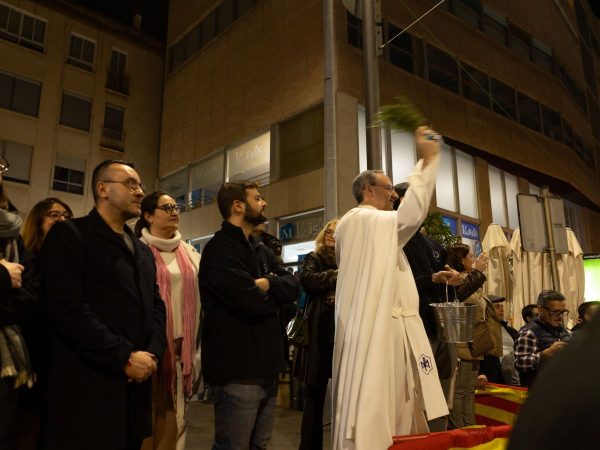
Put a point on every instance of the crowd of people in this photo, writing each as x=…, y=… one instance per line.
x=106, y=332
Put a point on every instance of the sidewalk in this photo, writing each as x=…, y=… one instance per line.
x=286, y=432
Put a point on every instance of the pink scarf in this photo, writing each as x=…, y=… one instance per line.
x=190, y=287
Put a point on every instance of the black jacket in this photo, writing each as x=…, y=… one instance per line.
x=318, y=278
x=241, y=333
x=103, y=304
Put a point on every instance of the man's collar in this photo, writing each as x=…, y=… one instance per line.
x=367, y=206
x=233, y=230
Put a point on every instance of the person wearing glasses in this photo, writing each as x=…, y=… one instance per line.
x=107, y=321
x=36, y=331
x=177, y=265
x=541, y=338
x=385, y=379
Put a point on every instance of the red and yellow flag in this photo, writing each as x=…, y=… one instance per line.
x=498, y=404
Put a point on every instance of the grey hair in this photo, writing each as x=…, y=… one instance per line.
x=364, y=179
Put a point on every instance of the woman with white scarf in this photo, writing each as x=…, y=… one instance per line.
x=18, y=297
x=177, y=266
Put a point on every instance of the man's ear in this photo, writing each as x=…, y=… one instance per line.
x=238, y=208
x=101, y=189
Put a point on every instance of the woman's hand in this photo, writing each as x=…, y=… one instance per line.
x=481, y=262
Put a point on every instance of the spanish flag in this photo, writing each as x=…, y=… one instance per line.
x=470, y=438
x=498, y=404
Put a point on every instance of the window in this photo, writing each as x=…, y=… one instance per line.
x=250, y=160
x=117, y=80
x=551, y=124
x=403, y=155
x=69, y=174
x=112, y=130
x=19, y=94
x=354, y=30
x=405, y=51
x=475, y=85
x=22, y=28
x=301, y=147
x=529, y=111
x=494, y=25
x=456, y=185
x=216, y=22
x=81, y=52
x=442, y=69
x=19, y=157
x=361, y=123
x=519, y=41
x=176, y=185
x=503, y=99
x=75, y=111
x=467, y=10
x=542, y=56
x=503, y=195
x=568, y=134
x=206, y=179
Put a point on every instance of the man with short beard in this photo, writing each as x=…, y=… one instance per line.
x=241, y=335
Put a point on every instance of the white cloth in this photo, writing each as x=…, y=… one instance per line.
x=495, y=244
x=384, y=374
x=532, y=273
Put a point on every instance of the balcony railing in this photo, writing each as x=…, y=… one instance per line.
x=113, y=139
x=117, y=82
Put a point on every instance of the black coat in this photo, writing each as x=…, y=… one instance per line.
x=241, y=332
x=103, y=304
x=318, y=278
x=562, y=410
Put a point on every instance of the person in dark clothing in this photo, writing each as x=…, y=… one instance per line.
x=561, y=411
x=543, y=337
x=107, y=321
x=18, y=298
x=427, y=260
x=241, y=333
x=585, y=311
x=318, y=279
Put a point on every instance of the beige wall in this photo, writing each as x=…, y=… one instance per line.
x=48, y=137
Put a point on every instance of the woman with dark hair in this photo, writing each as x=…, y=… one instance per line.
x=177, y=265
x=40, y=219
x=18, y=297
x=36, y=332
x=318, y=278
x=462, y=414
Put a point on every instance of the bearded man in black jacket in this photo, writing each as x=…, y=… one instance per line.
x=241, y=333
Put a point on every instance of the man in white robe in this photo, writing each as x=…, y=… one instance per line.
x=385, y=381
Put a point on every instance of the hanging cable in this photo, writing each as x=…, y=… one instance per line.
x=408, y=27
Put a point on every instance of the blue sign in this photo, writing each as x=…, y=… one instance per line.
x=287, y=232
x=451, y=222
x=470, y=231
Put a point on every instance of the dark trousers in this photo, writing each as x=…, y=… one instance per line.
x=311, y=435
x=136, y=446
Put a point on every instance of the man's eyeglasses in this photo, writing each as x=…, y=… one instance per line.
x=131, y=184
x=170, y=208
x=4, y=165
x=387, y=187
x=57, y=215
x=557, y=312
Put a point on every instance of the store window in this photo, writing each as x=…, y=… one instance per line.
x=297, y=234
x=455, y=186
x=76, y=111
x=176, y=185
x=503, y=195
x=206, y=178
x=250, y=160
x=362, y=138
x=301, y=144
x=445, y=192
x=200, y=242
x=69, y=174
x=81, y=52
x=403, y=155
x=19, y=158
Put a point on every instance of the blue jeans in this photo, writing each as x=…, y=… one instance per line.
x=244, y=415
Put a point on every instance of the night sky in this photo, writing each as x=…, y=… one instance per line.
x=154, y=13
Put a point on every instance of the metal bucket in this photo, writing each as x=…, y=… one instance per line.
x=455, y=321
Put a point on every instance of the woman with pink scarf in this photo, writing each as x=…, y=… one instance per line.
x=177, y=277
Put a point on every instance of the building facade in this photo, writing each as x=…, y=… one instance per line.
x=511, y=85
x=76, y=88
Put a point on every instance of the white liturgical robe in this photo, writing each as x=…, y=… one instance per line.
x=384, y=374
